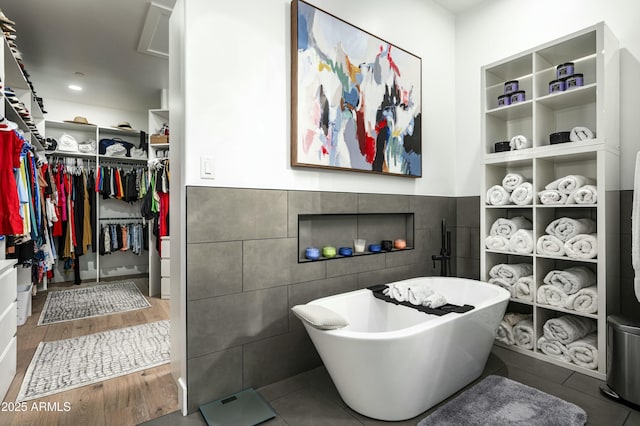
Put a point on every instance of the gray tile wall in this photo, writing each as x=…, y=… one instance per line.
x=629, y=305
x=243, y=276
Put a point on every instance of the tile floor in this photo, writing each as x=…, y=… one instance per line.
x=311, y=399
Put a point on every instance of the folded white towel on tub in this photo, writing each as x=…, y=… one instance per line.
x=418, y=294
x=501, y=282
x=511, y=272
x=554, y=349
x=398, y=291
x=522, y=195
x=584, y=351
x=571, y=279
x=550, y=295
x=512, y=180
x=522, y=242
x=580, y=133
x=587, y=194
x=522, y=288
x=504, y=333
x=567, y=227
x=497, y=196
x=552, y=196
x=519, y=142
x=496, y=242
x=434, y=301
x=585, y=300
x=569, y=183
x=582, y=246
x=548, y=245
x=507, y=227
x=568, y=328
x=523, y=334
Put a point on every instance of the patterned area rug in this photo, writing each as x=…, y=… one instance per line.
x=71, y=363
x=497, y=400
x=94, y=301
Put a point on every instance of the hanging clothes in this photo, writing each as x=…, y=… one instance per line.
x=10, y=149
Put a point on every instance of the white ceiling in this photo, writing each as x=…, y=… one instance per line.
x=98, y=38
x=101, y=39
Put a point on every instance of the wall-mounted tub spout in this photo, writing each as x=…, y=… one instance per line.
x=445, y=251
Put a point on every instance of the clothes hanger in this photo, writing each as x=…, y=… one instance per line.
x=6, y=125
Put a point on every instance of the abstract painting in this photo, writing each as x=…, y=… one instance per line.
x=356, y=99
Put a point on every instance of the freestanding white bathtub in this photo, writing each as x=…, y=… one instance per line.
x=393, y=362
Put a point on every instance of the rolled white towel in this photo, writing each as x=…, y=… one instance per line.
x=497, y=242
x=434, y=301
x=497, y=196
x=501, y=282
x=418, y=293
x=550, y=295
x=584, y=351
x=522, y=195
x=580, y=133
x=552, y=196
x=568, y=328
x=571, y=279
x=566, y=227
x=512, y=180
x=523, y=334
x=519, y=142
x=522, y=242
x=548, y=245
x=504, y=333
x=582, y=246
x=554, y=349
x=511, y=272
x=569, y=183
x=398, y=291
x=522, y=288
x=585, y=300
x=587, y=194
x=507, y=227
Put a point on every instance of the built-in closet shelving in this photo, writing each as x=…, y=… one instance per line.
x=158, y=276
x=94, y=266
x=594, y=105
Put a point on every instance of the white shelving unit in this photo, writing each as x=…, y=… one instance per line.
x=94, y=266
x=594, y=51
x=8, y=324
x=157, y=118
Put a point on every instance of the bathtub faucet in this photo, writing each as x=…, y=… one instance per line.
x=445, y=252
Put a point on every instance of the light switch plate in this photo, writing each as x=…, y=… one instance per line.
x=207, y=169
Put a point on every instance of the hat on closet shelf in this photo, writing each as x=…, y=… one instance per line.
x=124, y=125
x=79, y=120
x=4, y=19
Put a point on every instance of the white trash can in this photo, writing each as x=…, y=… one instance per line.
x=24, y=302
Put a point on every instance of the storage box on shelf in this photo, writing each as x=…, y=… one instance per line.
x=593, y=53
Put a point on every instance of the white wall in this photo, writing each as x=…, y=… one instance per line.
x=59, y=110
x=501, y=28
x=238, y=88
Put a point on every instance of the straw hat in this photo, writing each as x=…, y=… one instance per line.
x=79, y=120
x=124, y=125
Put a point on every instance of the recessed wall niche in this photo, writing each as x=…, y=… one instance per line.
x=340, y=230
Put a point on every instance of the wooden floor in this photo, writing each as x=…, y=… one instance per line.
x=126, y=400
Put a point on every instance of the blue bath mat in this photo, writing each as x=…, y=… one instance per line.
x=499, y=401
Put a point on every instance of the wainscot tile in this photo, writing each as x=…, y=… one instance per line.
x=213, y=376
x=214, y=269
x=383, y=203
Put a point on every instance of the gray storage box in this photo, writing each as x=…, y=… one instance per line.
x=623, y=358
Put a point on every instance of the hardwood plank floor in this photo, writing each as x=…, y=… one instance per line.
x=126, y=400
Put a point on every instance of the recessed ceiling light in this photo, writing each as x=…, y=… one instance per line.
x=75, y=87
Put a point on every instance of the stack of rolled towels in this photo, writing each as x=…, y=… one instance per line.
x=573, y=288
x=418, y=294
x=516, y=329
x=571, y=339
x=574, y=238
x=514, y=190
x=517, y=279
x=513, y=235
x=571, y=189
